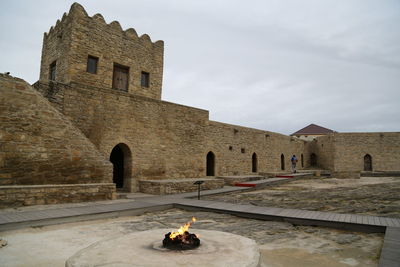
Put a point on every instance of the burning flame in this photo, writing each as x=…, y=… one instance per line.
x=182, y=229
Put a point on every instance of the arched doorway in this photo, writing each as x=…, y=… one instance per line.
x=313, y=160
x=254, y=162
x=302, y=161
x=368, y=163
x=210, y=164
x=120, y=157
x=282, y=162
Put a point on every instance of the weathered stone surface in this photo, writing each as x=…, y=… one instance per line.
x=38, y=145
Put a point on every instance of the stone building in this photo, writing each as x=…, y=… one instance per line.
x=95, y=122
x=311, y=132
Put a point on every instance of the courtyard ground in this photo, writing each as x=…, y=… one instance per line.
x=378, y=196
x=280, y=243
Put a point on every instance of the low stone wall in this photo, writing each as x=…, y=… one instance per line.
x=175, y=186
x=26, y=195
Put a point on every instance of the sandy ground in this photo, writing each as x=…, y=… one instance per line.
x=281, y=244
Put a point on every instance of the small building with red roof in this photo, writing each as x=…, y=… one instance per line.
x=312, y=131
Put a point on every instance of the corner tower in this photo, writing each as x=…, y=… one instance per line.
x=86, y=50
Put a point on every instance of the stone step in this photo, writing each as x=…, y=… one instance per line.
x=380, y=174
x=234, y=179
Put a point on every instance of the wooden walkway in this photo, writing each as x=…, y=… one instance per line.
x=390, y=254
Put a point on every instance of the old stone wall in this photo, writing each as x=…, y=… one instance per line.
x=38, y=145
x=350, y=149
x=343, y=153
x=78, y=36
x=26, y=195
x=324, y=150
x=165, y=140
x=234, y=147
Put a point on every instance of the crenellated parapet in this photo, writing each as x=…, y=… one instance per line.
x=78, y=10
x=86, y=49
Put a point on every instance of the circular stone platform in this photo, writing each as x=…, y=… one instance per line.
x=145, y=249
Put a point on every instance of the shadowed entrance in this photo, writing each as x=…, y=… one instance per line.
x=210, y=164
x=121, y=159
x=367, y=163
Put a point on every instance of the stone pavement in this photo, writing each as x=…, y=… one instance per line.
x=139, y=205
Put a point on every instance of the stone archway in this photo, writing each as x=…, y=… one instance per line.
x=282, y=162
x=210, y=164
x=121, y=159
x=254, y=163
x=368, y=163
x=313, y=160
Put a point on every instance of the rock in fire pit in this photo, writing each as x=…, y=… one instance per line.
x=182, y=239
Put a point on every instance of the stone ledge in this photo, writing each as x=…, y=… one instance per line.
x=176, y=186
x=27, y=195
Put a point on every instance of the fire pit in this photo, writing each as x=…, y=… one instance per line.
x=182, y=239
x=146, y=249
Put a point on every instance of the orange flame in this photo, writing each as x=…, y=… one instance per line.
x=182, y=229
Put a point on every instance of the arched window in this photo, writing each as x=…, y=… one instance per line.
x=282, y=162
x=121, y=159
x=367, y=162
x=302, y=161
x=210, y=164
x=254, y=162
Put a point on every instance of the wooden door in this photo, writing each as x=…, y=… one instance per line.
x=120, y=78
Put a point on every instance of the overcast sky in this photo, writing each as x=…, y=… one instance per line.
x=272, y=65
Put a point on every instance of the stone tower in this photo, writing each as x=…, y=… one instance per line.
x=86, y=50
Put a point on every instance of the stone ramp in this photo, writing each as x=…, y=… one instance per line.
x=236, y=179
x=294, y=175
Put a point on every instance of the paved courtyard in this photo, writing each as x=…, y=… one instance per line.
x=281, y=244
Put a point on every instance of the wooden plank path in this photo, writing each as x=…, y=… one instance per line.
x=390, y=254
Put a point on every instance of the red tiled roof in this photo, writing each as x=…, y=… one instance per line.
x=313, y=129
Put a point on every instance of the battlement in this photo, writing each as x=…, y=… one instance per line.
x=86, y=49
x=78, y=10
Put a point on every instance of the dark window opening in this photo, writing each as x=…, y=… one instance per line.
x=313, y=160
x=210, y=164
x=254, y=162
x=302, y=160
x=92, y=64
x=368, y=163
x=282, y=162
x=145, y=79
x=52, y=72
x=243, y=150
x=231, y=148
x=120, y=77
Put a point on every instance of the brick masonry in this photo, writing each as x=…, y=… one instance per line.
x=26, y=195
x=162, y=187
